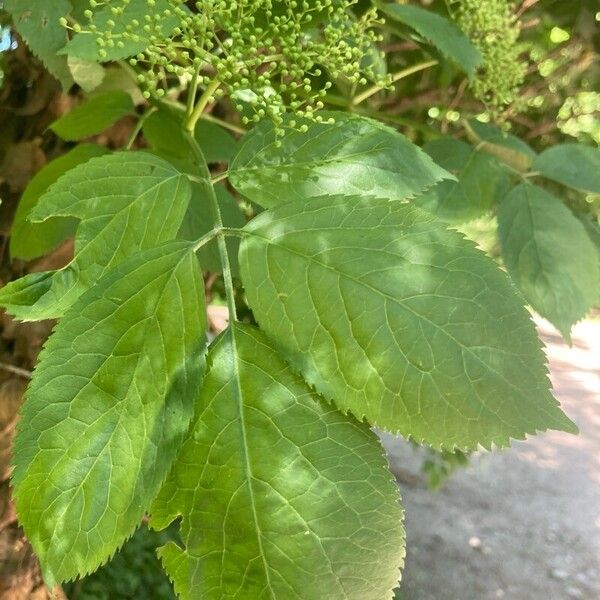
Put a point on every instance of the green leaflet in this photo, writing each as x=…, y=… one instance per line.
x=354, y=155
x=281, y=496
x=573, y=165
x=38, y=24
x=93, y=116
x=482, y=182
x=440, y=32
x=549, y=255
x=107, y=409
x=399, y=320
x=30, y=240
x=112, y=196
x=84, y=45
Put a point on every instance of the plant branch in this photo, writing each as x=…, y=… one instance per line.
x=138, y=127
x=219, y=230
x=223, y=123
x=24, y=373
x=207, y=237
x=212, y=87
x=395, y=77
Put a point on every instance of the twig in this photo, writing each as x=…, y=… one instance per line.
x=395, y=77
x=24, y=373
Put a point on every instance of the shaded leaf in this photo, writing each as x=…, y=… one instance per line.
x=199, y=220
x=30, y=240
x=107, y=409
x=573, y=165
x=438, y=31
x=216, y=143
x=93, y=116
x=165, y=133
x=495, y=135
x=111, y=196
x=482, y=182
x=399, y=320
x=281, y=496
x=354, y=155
x=549, y=255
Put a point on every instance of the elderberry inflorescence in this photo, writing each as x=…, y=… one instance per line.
x=495, y=31
x=277, y=55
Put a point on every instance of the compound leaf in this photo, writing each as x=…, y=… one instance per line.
x=549, y=255
x=93, y=116
x=30, y=240
x=399, y=320
x=353, y=155
x=573, y=165
x=440, y=32
x=281, y=496
x=38, y=24
x=482, y=182
x=107, y=409
x=111, y=196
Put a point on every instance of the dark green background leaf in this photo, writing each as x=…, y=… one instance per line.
x=30, y=240
x=93, y=116
x=573, y=165
x=482, y=182
x=438, y=31
x=199, y=220
x=164, y=131
x=549, y=255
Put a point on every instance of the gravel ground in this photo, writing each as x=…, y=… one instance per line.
x=521, y=524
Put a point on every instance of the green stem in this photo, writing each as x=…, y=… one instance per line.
x=138, y=127
x=218, y=226
x=219, y=177
x=224, y=124
x=395, y=77
x=207, y=237
x=212, y=87
x=192, y=91
x=383, y=116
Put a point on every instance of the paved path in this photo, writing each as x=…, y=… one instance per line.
x=522, y=524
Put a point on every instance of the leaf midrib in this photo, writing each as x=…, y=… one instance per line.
x=246, y=451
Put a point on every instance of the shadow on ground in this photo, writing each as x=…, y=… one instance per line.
x=522, y=524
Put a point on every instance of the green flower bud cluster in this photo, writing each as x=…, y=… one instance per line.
x=269, y=54
x=491, y=26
